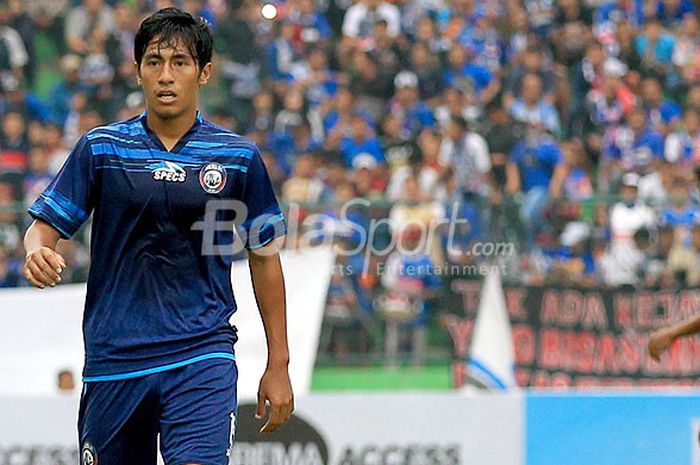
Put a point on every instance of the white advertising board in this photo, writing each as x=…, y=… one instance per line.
x=337, y=429
x=40, y=330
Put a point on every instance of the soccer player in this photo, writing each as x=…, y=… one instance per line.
x=159, y=346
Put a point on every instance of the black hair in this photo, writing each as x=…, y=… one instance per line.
x=665, y=229
x=460, y=121
x=171, y=25
x=642, y=235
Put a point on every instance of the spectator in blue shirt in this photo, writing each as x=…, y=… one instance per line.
x=483, y=39
x=414, y=114
x=615, y=11
x=681, y=214
x=294, y=140
x=64, y=91
x=309, y=23
x=281, y=56
x=362, y=141
x=529, y=173
x=469, y=76
x=655, y=46
x=663, y=115
x=19, y=99
x=671, y=13
x=337, y=121
x=632, y=147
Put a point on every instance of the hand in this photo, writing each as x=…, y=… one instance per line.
x=276, y=389
x=659, y=342
x=43, y=267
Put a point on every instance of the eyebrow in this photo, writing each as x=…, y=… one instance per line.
x=177, y=55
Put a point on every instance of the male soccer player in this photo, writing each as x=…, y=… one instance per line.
x=159, y=346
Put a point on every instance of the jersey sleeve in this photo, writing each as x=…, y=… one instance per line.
x=67, y=202
x=265, y=220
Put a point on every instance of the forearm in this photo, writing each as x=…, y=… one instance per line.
x=512, y=178
x=268, y=285
x=42, y=266
x=40, y=234
x=686, y=328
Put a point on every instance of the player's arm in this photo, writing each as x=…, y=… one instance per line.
x=275, y=386
x=662, y=339
x=43, y=265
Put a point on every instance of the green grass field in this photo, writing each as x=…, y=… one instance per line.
x=380, y=378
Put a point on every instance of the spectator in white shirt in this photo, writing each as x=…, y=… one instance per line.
x=629, y=215
x=467, y=154
x=361, y=17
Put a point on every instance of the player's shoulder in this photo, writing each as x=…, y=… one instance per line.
x=215, y=135
x=124, y=130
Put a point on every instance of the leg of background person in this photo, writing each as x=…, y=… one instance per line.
x=391, y=341
x=420, y=345
x=534, y=202
x=514, y=227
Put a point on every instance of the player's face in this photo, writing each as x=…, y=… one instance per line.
x=170, y=77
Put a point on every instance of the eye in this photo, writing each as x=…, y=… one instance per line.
x=152, y=62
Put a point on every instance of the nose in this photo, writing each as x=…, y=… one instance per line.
x=166, y=75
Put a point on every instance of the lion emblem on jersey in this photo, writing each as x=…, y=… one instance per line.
x=212, y=178
x=88, y=455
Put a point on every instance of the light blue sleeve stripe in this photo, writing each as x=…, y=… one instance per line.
x=37, y=212
x=59, y=211
x=160, y=369
x=137, y=153
x=277, y=232
x=73, y=210
x=271, y=222
x=106, y=135
x=270, y=218
x=184, y=158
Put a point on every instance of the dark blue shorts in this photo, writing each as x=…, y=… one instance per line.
x=193, y=408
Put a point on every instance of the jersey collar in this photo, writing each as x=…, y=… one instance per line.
x=198, y=120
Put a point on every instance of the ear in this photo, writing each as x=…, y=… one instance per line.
x=137, y=69
x=205, y=74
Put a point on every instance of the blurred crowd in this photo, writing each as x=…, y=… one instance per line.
x=569, y=129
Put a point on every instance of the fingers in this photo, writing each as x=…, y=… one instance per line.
x=274, y=420
x=653, y=352
x=30, y=277
x=279, y=413
x=55, y=261
x=43, y=272
x=260, y=412
x=43, y=268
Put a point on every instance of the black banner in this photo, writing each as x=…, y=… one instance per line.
x=583, y=337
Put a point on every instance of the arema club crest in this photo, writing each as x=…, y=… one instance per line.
x=88, y=455
x=212, y=178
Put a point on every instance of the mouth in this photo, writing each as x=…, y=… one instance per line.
x=166, y=96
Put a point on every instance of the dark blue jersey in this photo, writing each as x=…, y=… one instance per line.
x=156, y=295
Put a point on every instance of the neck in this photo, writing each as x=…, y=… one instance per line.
x=170, y=130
